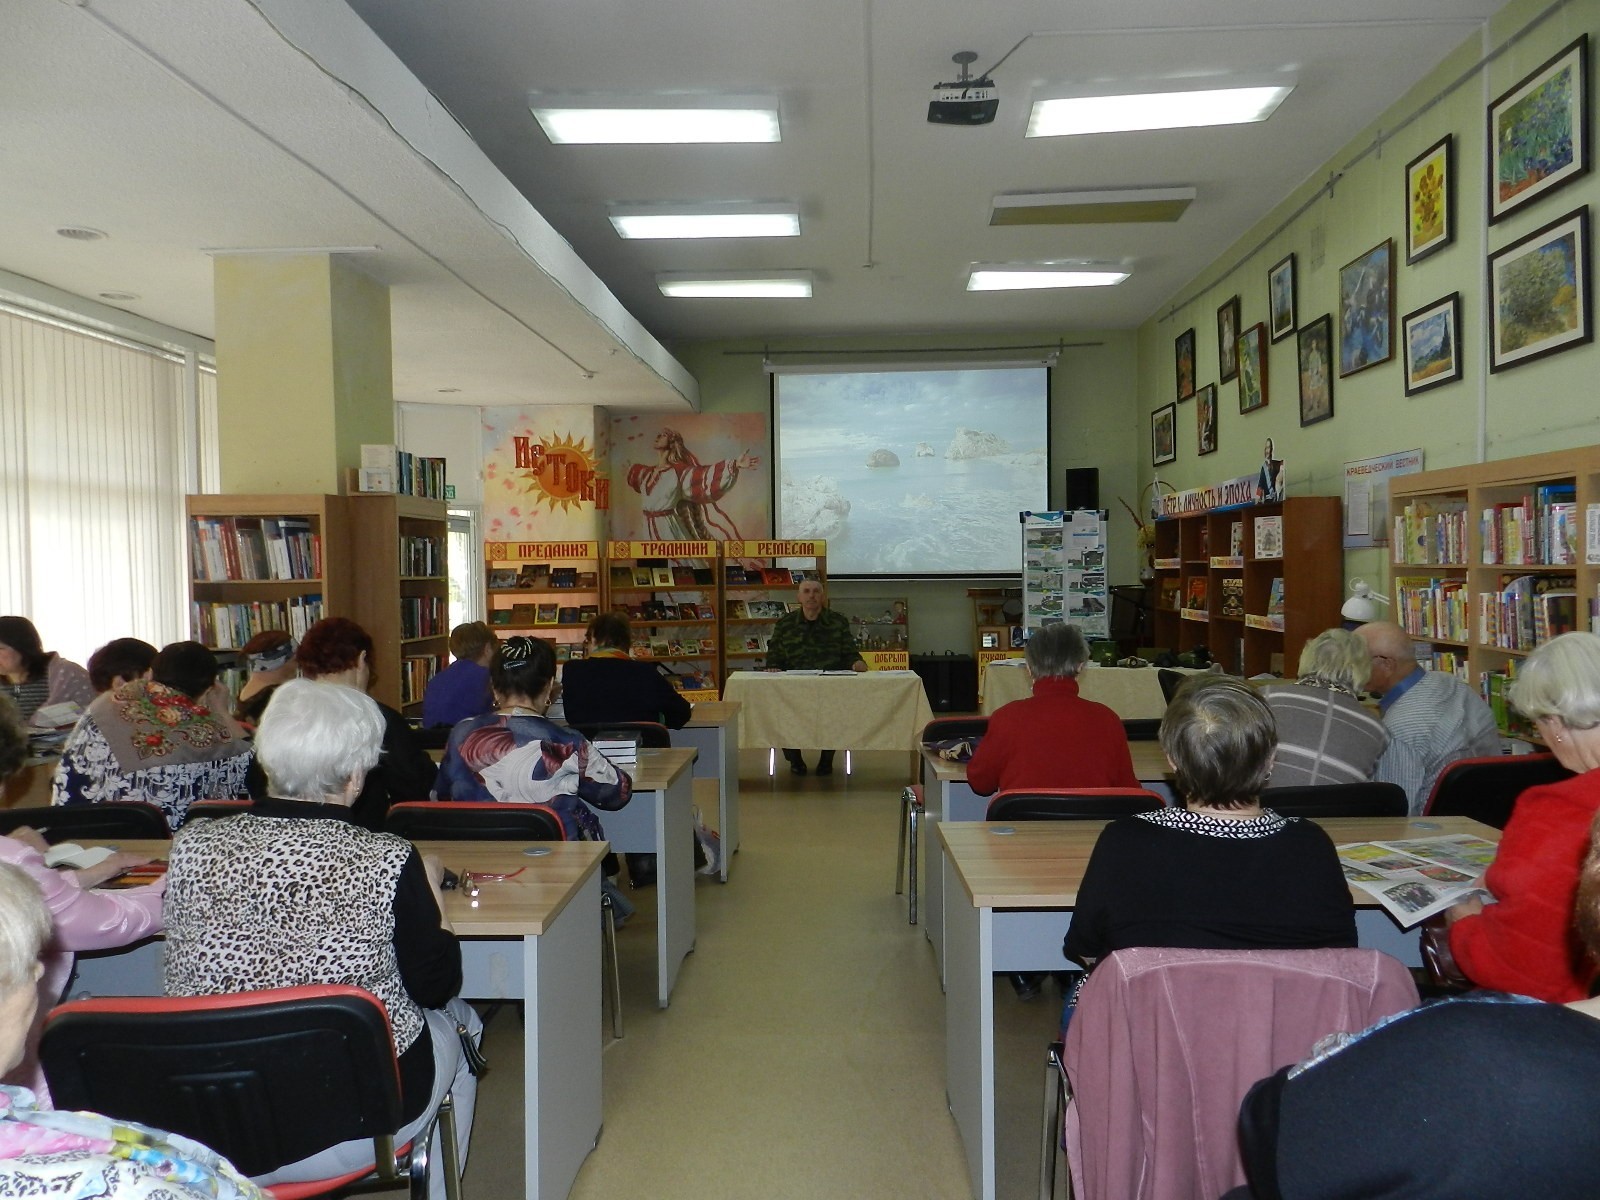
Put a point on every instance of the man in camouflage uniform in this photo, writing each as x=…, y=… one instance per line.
x=812, y=637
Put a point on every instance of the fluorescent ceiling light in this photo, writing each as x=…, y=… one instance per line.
x=1154, y=110
x=771, y=285
x=707, y=221
x=1015, y=277
x=655, y=120
x=1099, y=207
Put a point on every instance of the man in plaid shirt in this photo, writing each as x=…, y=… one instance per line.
x=815, y=638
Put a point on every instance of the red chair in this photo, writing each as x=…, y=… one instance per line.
x=264, y=1078
x=912, y=805
x=1486, y=789
x=1071, y=804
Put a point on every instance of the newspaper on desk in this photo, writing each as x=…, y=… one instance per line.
x=1413, y=878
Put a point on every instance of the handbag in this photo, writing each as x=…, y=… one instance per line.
x=477, y=1064
x=1444, y=974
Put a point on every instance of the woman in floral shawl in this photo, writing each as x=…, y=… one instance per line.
x=156, y=740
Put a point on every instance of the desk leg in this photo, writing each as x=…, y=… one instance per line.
x=561, y=1058
x=674, y=884
x=718, y=759
x=969, y=1032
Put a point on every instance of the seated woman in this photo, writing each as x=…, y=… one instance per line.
x=156, y=740
x=1524, y=943
x=293, y=892
x=461, y=690
x=607, y=685
x=1325, y=733
x=120, y=661
x=45, y=1153
x=1221, y=872
x=270, y=657
x=33, y=677
x=1055, y=738
x=517, y=756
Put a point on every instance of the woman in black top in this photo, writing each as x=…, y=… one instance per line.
x=607, y=685
x=1220, y=872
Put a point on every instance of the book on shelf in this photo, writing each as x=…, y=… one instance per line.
x=641, y=577
x=1510, y=617
x=734, y=573
x=660, y=648
x=1538, y=528
x=688, y=612
x=1232, y=596
x=567, y=614
x=755, y=643
x=777, y=576
x=587, y=581
x=1275, y=598
x=501, y=579
x=621, y=577
x=661, y=576
x=682, y=576
x=547, y=614
x=1591, y=534
x=1205, y=541
x=564, y=578
x=500, y=616
x=227, y=626
x=708, y=645
x=1269, y=537
x=738, y=610
x=704, y=577
x=387, y=468
x=224, y=549
x=704, y=612
x=1432, y=608
x=421, y=557
x=588, y=612
x=1236, y=539
x=563, y=651
x=524, y=614
x=1171, y=595
x=1196, y=594
x=423, y=616
x=534, y=575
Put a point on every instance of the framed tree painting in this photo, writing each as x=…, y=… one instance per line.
x=1253, y=368
x=1366, y=310
x=1539, y=132
x=1431, y=337
x=1539, y=293
x=1183, y=351
x=1164, y=434
x=1430, y=200
x=1281, y=298
x=1314, y=344
x=1228, y=340
x=1206, y=417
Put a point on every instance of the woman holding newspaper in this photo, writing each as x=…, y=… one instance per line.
x=1524, y=943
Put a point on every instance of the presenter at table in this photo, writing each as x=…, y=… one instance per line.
x=812, y=638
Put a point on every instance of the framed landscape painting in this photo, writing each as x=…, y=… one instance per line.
x=1432, y=340
x=1183, y=353
x=1430, y=200
x=1206, y=417
x=1164, y=434
x=1539, y=293
x=1539, y=132
x=1281, y=298
x=1228, y=340
x=1253, y=368
x=1366, y=310
x=1315, y=347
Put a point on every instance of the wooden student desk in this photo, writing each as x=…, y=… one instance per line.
x=1008, y=900
x=713, y=730
x=865, y=710
x=534, y=938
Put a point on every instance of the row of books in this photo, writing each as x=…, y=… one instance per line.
x=235, y=548
x=415, y=672
x=229, y=626
x=1539, y=528
x=421, y=556
x=1196, y=596
x=1427, y=534
x=676, y=648
x=387, y=468
x=1495, y=687
x=544, y=614
x=424, y=616
x=662, y=575
x=1527, y=610
x=1432, y=608
x=757, y=610
x=662, y=610
x=737, y=574
x=542, y=577
x=755, y=643
x=1453, y=662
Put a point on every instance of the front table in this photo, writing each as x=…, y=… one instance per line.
x=1008, y=900
x=865, y=710
x=712, y=730
x=535, y=937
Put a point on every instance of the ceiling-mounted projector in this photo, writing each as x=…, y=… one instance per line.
x=966, y=101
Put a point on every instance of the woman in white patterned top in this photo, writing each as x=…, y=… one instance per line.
x=1325, y=733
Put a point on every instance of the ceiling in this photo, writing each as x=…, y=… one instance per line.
x=264, y=124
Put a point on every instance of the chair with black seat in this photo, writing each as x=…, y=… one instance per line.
x=1071, y=804
x=489, y=821
x=912, y=802
x=1486, y=789
x=652, y=735
x=265, y=1078
x=1368, y=799
x=204, y=810
x=74, y=822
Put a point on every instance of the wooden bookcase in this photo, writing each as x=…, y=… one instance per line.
x=751, y=574
x=520, y=597
x=399, y=545
x=1200, y=564
x=1451, y=567
x=672, y=597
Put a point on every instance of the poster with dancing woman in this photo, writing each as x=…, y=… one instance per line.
x=690, y=477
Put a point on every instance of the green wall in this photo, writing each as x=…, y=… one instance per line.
x=1543, y=405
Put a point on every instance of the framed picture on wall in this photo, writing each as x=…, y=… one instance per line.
x=1253, y=368
x=1432, y=344
x=1431, y=200
x=1164, y=434
x=1314, y=344
x=1205, y=413
x=1539, y=293
x=1539, y=132
x=1228, y=340
x=1366, y=309
x=1183, y=352
x=1281, y=298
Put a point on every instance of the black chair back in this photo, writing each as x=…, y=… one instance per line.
x=1170, y=682
x=1368, y=799
x=95, y=822
x=1071, y=804
x=1142, y=729
x=650, y=734
x=474, y=821
x=947, y=728
x=264, y=1078
x=206, y=810
x=1486, y=789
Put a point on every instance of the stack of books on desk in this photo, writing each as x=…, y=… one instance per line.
x=622, y=750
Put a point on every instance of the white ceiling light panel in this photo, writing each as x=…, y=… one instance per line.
x=706, y=220
x=735, y=285
x=655, y=120
x=1066, y=115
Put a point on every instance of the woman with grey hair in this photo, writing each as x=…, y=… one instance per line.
x=1325, y=733
x=1524, y=943
x=1054, y=738
x=293, y=892
x=1220, y=872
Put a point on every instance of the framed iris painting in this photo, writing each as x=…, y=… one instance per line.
x=1539, y=293
x=1432, y=339
x=1539, y=132
x=1228, y=340
x=1430, y=200
x=1253, y=368
x=1366, y=310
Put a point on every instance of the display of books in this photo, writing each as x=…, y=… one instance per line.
x=661, y=576
x=1171, y=594
x=1236, y=538
x=502, y=579
x=708, y=645
x=705, y=612
x=1269, y=537
x=588, y=580
x=682, y=576
x=660, y=648
x=1232, y=597
x=621, y=577
x=564, y=577
x=523, y=614
x=547, y=614
x=588, y=612
x=738, y=610
x=1414, y=878
x=500, y=616
x=704, y=577
x=641, y=577
x=1195, y=597
x=1275, y=598
x=686, y=612
x=777, y=576
x=734, y=573
x=567, y=615
x=536, y=575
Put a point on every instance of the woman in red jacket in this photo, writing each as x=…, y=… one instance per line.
x=1525, y=943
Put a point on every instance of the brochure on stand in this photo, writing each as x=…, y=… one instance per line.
x=1414, y=878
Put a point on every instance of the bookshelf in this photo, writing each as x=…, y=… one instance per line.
x=752, y=576
x=1252, y=584
x=670, y=592
x=261, y=562
x=548, y=590
x=404, y=539
x=1489, y=560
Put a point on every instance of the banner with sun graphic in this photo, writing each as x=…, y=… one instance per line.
x=690, y=476
x=544, y=474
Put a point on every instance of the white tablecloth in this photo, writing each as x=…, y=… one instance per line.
x=872, y=710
